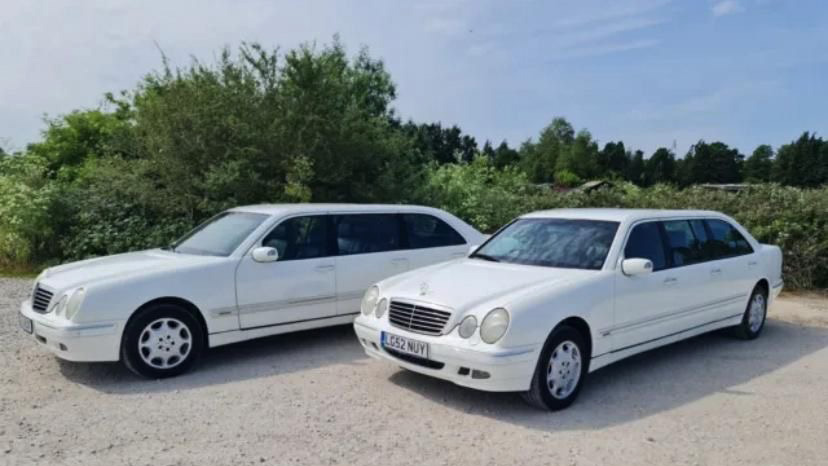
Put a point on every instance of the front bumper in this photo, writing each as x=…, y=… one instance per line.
x=91, y=342
x=492, y=370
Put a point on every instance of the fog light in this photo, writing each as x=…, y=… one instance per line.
x=476, y=374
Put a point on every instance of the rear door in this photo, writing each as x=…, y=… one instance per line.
x=369, y=249
x=734, y=262
x=429, y=240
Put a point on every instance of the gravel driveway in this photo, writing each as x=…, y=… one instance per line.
x=315, y=398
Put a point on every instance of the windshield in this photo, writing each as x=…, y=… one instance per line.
x=551, y=242
x=220, y=235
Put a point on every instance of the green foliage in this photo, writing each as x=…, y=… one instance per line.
x=478, y=192
x=711, y=163
x=567, y=179
x=758, y=166
x=441, y=145
x=803, y=162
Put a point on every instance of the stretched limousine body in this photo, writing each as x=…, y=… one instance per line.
x=246, y=273
x=557, y=294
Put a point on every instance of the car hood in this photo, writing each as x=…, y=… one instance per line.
x=467, y=283
x=87, y=272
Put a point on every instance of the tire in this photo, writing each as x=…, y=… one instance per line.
x=753, y=320
x=567, y=346
x=162, y=341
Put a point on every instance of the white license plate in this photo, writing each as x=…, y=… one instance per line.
x=405, y=345
x=25, y=323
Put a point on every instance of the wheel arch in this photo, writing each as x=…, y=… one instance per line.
x=175, y=301
x=581, y=325
x=763, y=283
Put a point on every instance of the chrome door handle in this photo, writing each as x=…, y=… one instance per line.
x=399, y=259
x=716, y=272
x=325, y=268
x=670, y=281
x=752, y=264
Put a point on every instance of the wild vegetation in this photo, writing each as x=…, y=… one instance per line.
x=315, y=124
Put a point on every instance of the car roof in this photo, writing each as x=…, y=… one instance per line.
x=621, y=215
x=303, y=208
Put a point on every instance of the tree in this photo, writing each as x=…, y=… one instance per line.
x=613, y=159
x=635, y=169
x=73, y=138
x=758, y=166
x=660, y=167
x=539, y=159
x=803, y=162
x=505, y=156
x=580, y=157
x=711, y=163
x=443, y=145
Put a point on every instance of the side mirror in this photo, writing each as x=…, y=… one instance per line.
x=265, y=254
x=634, y=267
x=473, y=248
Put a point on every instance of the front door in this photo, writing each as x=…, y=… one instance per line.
x=299, y=286
x=650, y=307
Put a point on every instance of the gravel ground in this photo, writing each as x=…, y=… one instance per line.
x=315, y=398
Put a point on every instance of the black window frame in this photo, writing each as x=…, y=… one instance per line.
x=334, y=222
x=662, y=237
x=712, y=238
x=406, y=240
x=329, y=252
x=667, y=247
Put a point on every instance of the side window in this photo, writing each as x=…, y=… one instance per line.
x=726, y=240
x=683, y=246
x=645, y=243
x=428, y=231
x=299, y=238
x=367, y=233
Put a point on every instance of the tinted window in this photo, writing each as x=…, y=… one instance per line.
x=367, y=233
x=220, y=235
x=551, y=242
x=300, y=238
x=683, y=248
x=427, y=231
x=726, y=240
x=645, y=243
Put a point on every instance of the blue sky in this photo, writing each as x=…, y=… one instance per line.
x=648, y=72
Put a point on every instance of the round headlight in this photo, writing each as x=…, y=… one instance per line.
x=382, y=307
x=467, y=326
x=60, y=305
x=369, y=300
x=74, y=303
x=494, y=325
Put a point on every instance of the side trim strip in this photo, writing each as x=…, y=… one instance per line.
x=277, y=305
x=672, y=314
x=669, y=335
x=286, y=323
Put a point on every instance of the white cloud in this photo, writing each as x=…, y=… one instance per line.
x=727, y=7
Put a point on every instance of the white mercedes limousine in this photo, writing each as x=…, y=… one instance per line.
x=245, y=273
x=554, y=295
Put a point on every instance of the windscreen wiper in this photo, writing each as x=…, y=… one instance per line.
x=486, y=257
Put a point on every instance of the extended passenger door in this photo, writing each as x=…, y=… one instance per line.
x=430, y=240
x=369, y=249
x=650, y=307
x=299, y=286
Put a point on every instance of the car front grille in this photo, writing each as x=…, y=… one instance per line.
x=41, y=299
x=416, y=318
